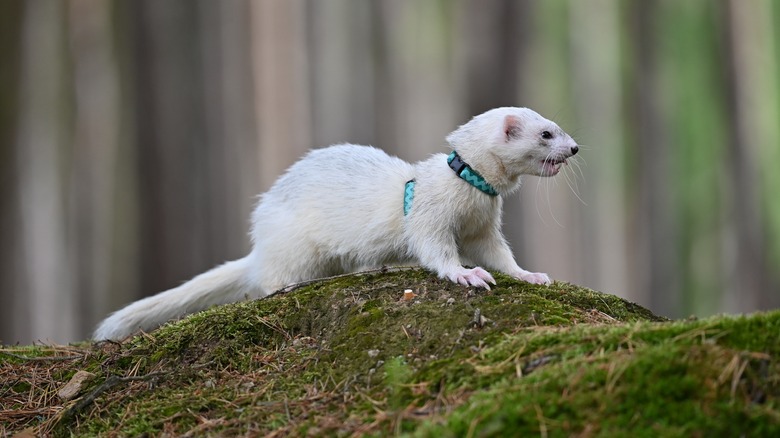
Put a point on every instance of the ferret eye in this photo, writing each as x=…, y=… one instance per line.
x=547, y=135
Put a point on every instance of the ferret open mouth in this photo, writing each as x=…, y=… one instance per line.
x=551, y=166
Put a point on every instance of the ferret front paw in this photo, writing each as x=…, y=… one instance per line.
x=472, y=277
x=534, y=277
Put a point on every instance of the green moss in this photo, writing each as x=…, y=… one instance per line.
x=666, y=386
x=398, y=376
x=350, y=355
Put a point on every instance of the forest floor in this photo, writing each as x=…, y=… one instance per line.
x=354, y=355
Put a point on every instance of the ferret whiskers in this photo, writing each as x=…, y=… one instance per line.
x=547, y=189
x=572, y=183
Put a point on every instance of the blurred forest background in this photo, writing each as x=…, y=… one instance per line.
x=135, y=135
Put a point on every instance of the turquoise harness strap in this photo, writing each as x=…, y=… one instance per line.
x=466, y=173
x=408, y=196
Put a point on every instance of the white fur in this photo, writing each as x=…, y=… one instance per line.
x=340, y=209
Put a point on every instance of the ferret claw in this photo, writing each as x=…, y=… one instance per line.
x=477, y=277
x=535, y=277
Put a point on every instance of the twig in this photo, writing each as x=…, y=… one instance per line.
x=103, y=387
x=9, y=387
x=42, y=358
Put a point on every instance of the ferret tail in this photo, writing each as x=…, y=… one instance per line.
x=226, y=283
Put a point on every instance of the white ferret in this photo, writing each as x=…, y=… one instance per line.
x=346, y=208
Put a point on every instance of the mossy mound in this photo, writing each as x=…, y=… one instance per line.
x=354, y=355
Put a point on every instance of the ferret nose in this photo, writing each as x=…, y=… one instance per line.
x=574, y=149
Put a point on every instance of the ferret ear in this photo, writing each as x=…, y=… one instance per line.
x=512, y=127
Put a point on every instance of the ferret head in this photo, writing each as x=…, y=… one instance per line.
x=504, y=143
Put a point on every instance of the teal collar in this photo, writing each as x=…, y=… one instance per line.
x=466, y=173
